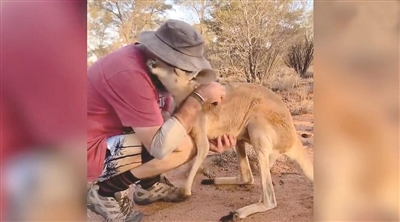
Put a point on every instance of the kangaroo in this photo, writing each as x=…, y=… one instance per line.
x=252, y=113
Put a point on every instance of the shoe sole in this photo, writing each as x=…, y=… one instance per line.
x=138, y=218
x=93, y=208
x=145, y=202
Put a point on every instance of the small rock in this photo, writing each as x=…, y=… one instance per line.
x=280, y=182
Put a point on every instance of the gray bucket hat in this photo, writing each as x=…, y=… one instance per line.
x=177, y=43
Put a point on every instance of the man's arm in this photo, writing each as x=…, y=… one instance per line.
x=137, y=107
x=168, y=137
x=162, y=140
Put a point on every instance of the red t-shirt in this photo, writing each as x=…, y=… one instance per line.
x=119, y=94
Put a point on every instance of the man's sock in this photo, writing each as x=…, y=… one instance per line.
x=121, y=182
x=147, y=183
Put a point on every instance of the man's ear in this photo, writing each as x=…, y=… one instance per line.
x=205, y=76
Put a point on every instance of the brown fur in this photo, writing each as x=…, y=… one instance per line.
x=254, y=114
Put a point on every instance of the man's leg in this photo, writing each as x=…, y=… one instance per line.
x=180, y=156
x=148, y=182
x=123, y=154
x=152, y=188
x=128, y=165
x=123, y=167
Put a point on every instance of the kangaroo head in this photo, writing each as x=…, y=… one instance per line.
x=178, y=82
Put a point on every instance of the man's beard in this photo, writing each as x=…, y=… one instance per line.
x=157, y=83
x=154, y=79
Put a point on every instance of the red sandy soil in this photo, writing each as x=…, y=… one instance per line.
x=294, y=192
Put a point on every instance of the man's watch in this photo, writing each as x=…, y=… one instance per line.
x=199, y=97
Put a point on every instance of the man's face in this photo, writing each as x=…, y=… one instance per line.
x=154, y=79
x=157, y=83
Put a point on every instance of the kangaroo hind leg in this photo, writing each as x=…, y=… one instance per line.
x=263, y=146
x=245, y=177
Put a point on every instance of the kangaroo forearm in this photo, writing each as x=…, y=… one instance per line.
x=188, y=113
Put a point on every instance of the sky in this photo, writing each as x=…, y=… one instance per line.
x=179, y=12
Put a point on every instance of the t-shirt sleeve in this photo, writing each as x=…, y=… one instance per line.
x=133, y=99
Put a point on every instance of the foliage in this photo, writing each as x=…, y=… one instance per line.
x=300, y=56
x=252, y=35
x=246, y=39
x=114, y=23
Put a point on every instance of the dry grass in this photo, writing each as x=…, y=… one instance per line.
x=295, y=91
x=253, y=159
x=221, y=161
x=283, y=80
x=299, y=100
x=224, y=161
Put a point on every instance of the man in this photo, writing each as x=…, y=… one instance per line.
x=122, y=93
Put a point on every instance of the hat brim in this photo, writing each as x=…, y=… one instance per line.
x=170, y=55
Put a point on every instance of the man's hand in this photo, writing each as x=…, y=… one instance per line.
x=222, y=143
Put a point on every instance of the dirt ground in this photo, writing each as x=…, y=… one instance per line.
x=294, y=192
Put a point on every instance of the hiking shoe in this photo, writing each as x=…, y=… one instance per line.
x=160, y=191
x=110, y=208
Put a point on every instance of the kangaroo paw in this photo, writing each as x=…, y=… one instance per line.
x=232, y=216
x=207, y=182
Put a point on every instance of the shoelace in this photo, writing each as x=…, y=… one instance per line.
x=166, y=181
x=126, y=206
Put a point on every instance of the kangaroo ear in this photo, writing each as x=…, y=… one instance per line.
x=205, y=76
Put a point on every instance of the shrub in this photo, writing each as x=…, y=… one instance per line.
x=300, y=56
